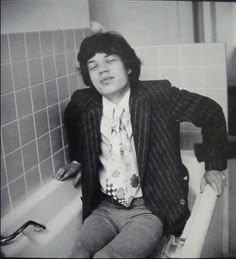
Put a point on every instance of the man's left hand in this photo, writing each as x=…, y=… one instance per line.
x=216, y=179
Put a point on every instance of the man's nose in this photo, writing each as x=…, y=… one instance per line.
x=103, y=68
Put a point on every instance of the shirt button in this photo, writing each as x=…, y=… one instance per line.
x=182, y=201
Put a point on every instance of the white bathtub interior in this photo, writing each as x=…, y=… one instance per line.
x=58, y=206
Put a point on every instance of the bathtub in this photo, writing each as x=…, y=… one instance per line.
x=58, y=206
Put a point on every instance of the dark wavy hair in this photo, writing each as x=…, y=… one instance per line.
x=108, y=43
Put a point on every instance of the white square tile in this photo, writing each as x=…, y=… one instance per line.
x=192, y=78
x=191, y=55
x=171, y=74
x=198, y=90
x=215, y=77
x=149, y=74
x=169, y=56
x=148, y=55
x=214, y=54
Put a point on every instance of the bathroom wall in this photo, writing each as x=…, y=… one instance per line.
x=171, y=22
x=39, y=43
x=218, y=24
x=38, y=76
x=225, y=33
x=42, y=15
x=167, y=21
x=200, y=68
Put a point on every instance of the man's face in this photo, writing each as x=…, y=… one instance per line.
x=108, y=75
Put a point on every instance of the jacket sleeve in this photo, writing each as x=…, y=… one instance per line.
x=72, y=123
x=205, y=113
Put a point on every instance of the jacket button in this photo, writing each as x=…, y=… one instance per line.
x=182, y=201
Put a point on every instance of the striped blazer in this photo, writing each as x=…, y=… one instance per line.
x=157, y=109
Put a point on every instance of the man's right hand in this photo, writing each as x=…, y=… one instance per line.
x=69, y=170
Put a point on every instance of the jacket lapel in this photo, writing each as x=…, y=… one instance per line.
x=92, y=120
x=140, y=119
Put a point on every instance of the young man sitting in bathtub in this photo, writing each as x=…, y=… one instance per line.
x=125, y=134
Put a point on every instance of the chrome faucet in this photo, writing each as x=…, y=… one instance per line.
x=37, y=227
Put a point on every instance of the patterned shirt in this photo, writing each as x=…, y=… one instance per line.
x=106, y=124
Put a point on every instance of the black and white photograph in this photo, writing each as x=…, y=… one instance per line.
x=118, y=129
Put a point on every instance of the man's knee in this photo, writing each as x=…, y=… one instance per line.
x=79, y=251
x=101, y=254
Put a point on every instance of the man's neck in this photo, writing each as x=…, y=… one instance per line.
x=115, y=99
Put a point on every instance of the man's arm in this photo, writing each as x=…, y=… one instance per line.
x=205, y=113
x=216, y=179
x=71, y=121
x=69, y=170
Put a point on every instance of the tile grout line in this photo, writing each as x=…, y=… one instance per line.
x=7, y=180
x=79, y=74
x=58, y=101
x=33, y=114
x=69, y=91
x=40, y=44
x=68, y=88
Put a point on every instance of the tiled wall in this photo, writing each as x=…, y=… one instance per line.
x=200, y=68
x=38, y=76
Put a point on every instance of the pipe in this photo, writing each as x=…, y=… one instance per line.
x=37, y=226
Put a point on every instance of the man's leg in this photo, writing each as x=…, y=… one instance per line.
x=94, y=234
x=137, y=238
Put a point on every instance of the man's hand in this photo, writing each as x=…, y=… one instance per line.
x=216, y=179
x=71, y=169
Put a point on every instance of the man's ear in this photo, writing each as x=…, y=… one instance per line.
x=129, y=71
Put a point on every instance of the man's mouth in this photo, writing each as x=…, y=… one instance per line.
x=106, y=80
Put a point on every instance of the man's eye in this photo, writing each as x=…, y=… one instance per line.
x=92, y=67
x=110, y=60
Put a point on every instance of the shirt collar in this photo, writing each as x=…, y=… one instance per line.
x=108, y=106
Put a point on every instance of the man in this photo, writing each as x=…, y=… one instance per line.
x=125, y=135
